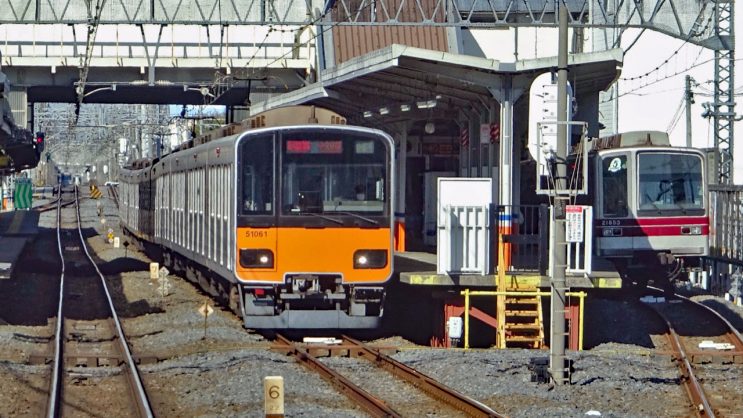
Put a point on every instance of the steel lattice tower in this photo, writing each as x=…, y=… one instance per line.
x=724, y=98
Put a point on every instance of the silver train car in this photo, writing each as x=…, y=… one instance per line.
x=291, y=226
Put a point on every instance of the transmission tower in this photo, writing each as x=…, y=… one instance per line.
x=724, y=98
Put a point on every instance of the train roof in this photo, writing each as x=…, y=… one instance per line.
x=288, y=116
x=632, y=139
x=282, y=116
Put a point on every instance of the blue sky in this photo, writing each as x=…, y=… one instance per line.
x=654, y=106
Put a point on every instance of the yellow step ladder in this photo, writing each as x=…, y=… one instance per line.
x=522, y=320
x=519, y=309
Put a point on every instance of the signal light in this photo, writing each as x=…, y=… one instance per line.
x=38, y=142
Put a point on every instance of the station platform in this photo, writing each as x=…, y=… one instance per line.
x=419, y=269
x=17, y=228
x=19, y=223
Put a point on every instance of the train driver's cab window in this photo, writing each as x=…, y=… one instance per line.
x=328, y=174
x=670, y=182
x=614, y=186
x=257, y=175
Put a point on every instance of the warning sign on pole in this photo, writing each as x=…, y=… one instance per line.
x=574, y=220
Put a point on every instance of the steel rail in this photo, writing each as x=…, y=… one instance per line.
x=53, y=407
x=734, y=336
x=113, y=191
x=694, y=389
x=54, y=390
x=135, y=382
x=429, y=385
x=49, y=206
x=364, y=399
x=53, y=205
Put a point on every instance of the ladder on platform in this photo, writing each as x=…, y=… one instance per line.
x=522, y=320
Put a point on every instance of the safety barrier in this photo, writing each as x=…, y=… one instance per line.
x=464, y=240
x=524, y=230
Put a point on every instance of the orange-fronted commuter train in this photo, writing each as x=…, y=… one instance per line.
x=289, y=223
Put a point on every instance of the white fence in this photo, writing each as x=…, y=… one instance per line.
x=464, y=240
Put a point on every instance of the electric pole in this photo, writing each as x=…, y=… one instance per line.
x=689, y=101
x=557, y=244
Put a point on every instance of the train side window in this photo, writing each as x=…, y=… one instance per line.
x=614, y=186
x=257, y=175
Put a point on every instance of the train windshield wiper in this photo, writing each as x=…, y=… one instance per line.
x=339, y=222
x=357, y=216
x=650, y=200
x=680, y=206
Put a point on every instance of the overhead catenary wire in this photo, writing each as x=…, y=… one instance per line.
x=634, y=90
x=677, y=115
x=673, y=54
x=92, y=31
x=220, y=80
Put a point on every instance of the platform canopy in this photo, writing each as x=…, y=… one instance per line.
x=400, y=83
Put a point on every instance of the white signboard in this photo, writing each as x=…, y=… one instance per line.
x=484, y=133
x=574, y=228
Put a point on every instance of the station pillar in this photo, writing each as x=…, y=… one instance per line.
x=505, y=175
x=400, y=183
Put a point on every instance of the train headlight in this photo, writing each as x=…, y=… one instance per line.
x=252, y=258
x=612, y=232
x=691, y=230
x=370, y=259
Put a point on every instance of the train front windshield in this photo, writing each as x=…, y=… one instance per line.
x=670, y=183
x=334, y=174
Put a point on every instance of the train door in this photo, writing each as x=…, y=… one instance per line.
x=613, y=203
x=614, y=187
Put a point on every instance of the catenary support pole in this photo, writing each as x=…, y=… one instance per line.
x=558, y=287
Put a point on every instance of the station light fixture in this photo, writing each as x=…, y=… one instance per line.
x=426, y=104
x=430, y=128
x=405, y=108
x=384, y=111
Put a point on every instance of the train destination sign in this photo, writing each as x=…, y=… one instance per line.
x=304, y=146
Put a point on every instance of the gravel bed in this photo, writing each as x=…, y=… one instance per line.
x=621, y=373
x=730, y=311
x=722, y=385
x=608, y=381
x=231, y=384
x=399, y=395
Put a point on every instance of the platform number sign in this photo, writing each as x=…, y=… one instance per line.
x=574, y=223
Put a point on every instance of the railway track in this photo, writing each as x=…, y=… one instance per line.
x=53, y=205
x=709, y=374
x=406, y=396
x=89, y=342
x=113, y=193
